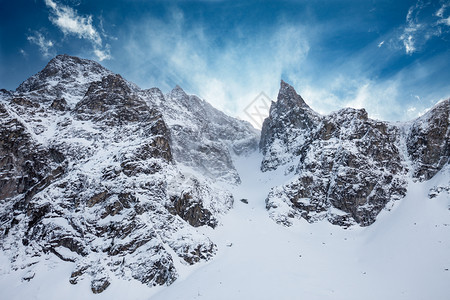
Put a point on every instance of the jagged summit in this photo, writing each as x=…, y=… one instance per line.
x=112, y=178
x=291, y=109
x=287, y=96
x=345, y=160
x=65, y=77
x=178, y=93
x=428, y=141
x=66, y=67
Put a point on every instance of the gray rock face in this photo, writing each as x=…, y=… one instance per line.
x=428, y=141
x=23, y=162
x=203, y=138
x=64, y=77
x=290, y=119
x=88, y=173
x=346, y=166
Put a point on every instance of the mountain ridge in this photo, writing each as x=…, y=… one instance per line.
x=118, y=180
x=346, y=160
x=90, y=173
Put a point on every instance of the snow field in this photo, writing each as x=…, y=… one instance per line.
x=405, y=254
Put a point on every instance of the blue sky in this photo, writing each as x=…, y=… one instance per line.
x=391, y=57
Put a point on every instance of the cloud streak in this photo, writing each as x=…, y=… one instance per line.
x=230, y=76
x=231, y=71
x=422, y=25
x=45, y=45
x=440, y=13
x=70, y=23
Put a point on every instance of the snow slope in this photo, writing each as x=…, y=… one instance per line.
x=404, y=255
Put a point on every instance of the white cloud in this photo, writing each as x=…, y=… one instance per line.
x=409, y=43
x=421, y=25
x=103, y=54
x=440, y=12
x=412, y=109
x=44, y=44
x=379, y=99
x=441, y=15
x=175, y=51
x=412, y=27
x=380, y=44
x=69, y=22
x=230, y=76
x=445, y=21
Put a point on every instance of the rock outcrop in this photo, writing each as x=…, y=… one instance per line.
x=203, y=138
x=89, y=174
x=346, y=166
x=428, y=141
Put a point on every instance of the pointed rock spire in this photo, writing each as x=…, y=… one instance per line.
x=179, y=95
x=177, y=90
x=288, y=96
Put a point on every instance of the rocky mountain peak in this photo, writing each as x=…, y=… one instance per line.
x=65, y=77
x=289, y=118
x=97, y=172
x=345, y=160
x=428, y=141
x=288, y=97
x=203, y=138
x=178, y=93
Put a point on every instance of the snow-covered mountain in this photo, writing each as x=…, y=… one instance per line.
x=203, y=138
x=346, y=167
x=109, y=183
x=110, y=177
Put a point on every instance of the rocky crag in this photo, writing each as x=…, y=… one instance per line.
x=346, y=167
x=110, y=177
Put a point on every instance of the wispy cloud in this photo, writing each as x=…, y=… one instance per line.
x=418, y=85
x=70, y=23
x=423, y=23
x=379, y=98
x=230, y=76
x=412, y=29
x=440, y=13
x=231, y=72
x=45, y=45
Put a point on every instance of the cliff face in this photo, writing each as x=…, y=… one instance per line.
x=346, y=166
x=428, y=141
x=93, y=171
x=203, y=138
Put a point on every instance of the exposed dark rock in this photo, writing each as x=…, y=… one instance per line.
x=77, y=273
x=191, y=210
x=60, y=104
x=347, y=166
x=99, y=285
x=23, y=162
x=428, y=141
x=24, y=102
x=87, y=175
